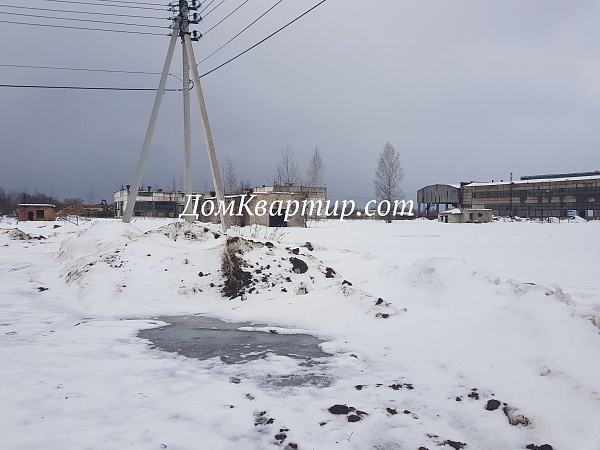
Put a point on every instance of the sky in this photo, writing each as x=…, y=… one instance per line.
x=464, y=91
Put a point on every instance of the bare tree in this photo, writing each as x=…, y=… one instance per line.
x=231, y=184
x=316, y=169
x=245, y=186
x=388, y=176
x=286, y=172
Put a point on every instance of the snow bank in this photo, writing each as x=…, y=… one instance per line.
x=439, y=337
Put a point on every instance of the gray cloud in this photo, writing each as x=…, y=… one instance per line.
x=464, y=90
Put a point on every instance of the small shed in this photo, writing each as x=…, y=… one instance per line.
x=473, y=215
x=477, y=215
x=453, y=215
x=36, y=212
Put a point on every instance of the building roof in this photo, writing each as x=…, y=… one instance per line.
x=455, y=186
x=37, y=204
x=561, y=175
x=451, y=211
x=538, y=180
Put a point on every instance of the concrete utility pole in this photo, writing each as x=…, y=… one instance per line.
x=181, y=28
x=135, y=187
x=210, y=146
x=510, y=192
x=187, y=134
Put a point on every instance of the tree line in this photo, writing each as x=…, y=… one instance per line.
x=9, y=201
x=287, y=172
x=388, y=174
x=387, y=180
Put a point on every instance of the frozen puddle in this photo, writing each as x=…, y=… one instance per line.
x=206, y=337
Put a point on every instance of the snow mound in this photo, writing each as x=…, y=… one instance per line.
x=98, y=237
x=186, y=230
x=437, y=274
x=250, y=268
x=476, y=362
x=18, y=235
x=453, y=282
x=114, y=262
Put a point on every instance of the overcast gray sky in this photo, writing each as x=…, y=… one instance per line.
x=464, y=90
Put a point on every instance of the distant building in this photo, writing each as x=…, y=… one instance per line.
x=170, y=204
x=274, y=198
x=431, y=199
x=537, y=197
x=150, y=203
x=540, y=196
x=457, y=215
x=36, y=212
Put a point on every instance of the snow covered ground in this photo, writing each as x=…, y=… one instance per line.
x=441, y=335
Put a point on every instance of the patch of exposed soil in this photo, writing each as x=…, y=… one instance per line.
x=18, y=235
x=237, y=280
x=298, y=266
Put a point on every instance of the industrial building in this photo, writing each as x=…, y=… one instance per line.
x=436, y=198
x=170, y=204
x=458, y=215
x=36, y=212
x=276, y=198
x=150, y=203
x=539, y=196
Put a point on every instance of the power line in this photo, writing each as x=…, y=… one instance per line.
x=82, y=20
x=263, y=40
x=86, y=88
x=112, y=6
x=156, y=34
x=337, y=194
x=129, y=2
x=81, y=28
x=219, y=4
x=224, y=18
x=80, y=69
x=204, y=9
x=82, y=12
x=252, y=23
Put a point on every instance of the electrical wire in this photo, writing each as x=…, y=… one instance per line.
x=86, y=88
x=113, y=6
x=252, y=23
x=263, y=40
x=224, y=18
x=82, y=12
x=204, y=9
x=158, y=34
x=129, y=2
x=80, y=69
x=81, y=28
x=82, y=20
x=219, y=4
x=337, y=194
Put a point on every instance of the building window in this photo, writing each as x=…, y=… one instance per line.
x=39, y=213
